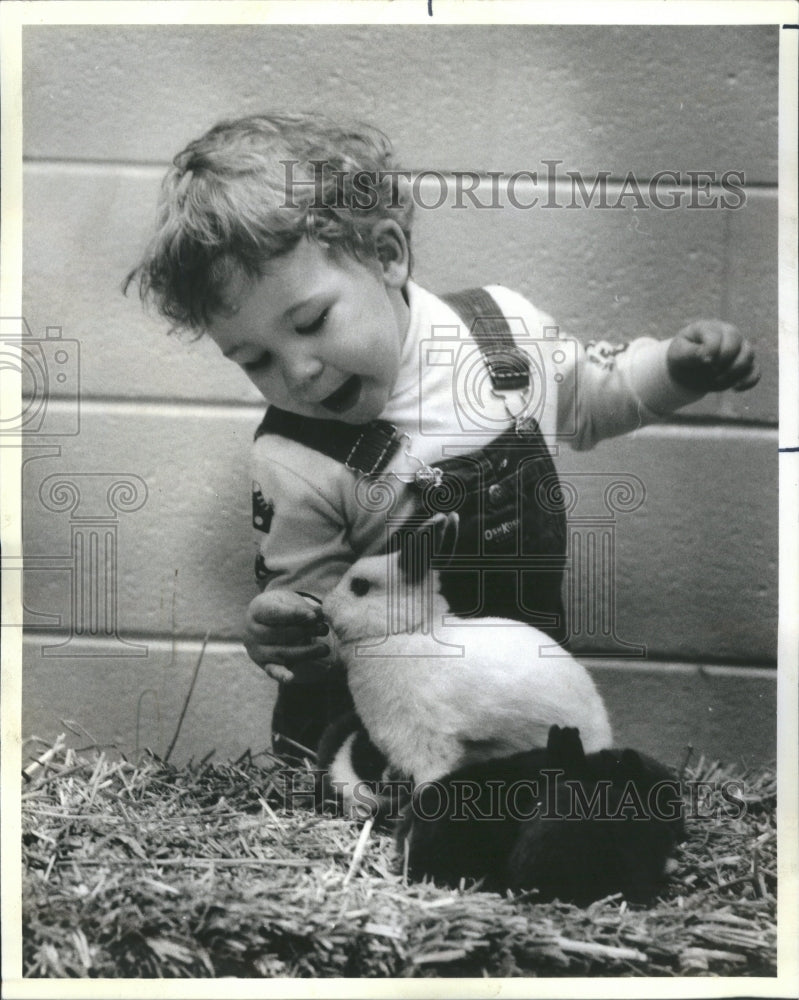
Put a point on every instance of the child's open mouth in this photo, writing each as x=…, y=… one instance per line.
x=345, y=397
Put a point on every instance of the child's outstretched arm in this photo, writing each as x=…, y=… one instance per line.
x=282, y=631
x=708, y=355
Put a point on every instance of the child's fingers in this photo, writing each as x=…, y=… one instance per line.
x=747, y=380
x=278, y=672
x=283, y=608
x=747, y=383
x=711, y=356
x=308, y=672
x=733, y=349
x=288, y=655
x=706, y=335
x=689, y=364
x=302, y=673
x=298, y=654
x=715, y=342
x=741, y=371
x=293, y=635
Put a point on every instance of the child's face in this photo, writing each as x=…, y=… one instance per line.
x=319, y=335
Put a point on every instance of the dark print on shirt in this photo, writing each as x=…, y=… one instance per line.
x=262, y=510
x=603, y=353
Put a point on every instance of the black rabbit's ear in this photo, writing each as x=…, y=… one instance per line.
x=418, y=542
x=446, y=529
x=566, y=747
x=415, y=553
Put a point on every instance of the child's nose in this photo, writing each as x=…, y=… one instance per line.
x=300, y=369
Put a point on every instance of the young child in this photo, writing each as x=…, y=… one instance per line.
x=287, y=239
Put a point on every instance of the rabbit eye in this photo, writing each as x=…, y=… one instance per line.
x=359, y=586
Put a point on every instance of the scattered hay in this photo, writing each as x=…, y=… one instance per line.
x=146, y=870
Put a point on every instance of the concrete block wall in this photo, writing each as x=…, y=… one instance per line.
x=105, y=108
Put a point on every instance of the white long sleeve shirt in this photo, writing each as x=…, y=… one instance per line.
x=322, y=520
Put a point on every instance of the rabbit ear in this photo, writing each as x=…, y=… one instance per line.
x=447, y=533
x=566, y=747
x=419, y=542
x=415, y=548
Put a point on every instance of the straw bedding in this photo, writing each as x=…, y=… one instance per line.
x=142, y=869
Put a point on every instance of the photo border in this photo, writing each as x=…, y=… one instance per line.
x=14, y=16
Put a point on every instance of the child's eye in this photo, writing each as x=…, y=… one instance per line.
x=315, y=326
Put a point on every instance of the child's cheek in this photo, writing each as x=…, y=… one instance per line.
x=271, y=388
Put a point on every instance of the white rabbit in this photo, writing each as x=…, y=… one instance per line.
x=430, y=713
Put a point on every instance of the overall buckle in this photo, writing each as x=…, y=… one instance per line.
x=374, y=448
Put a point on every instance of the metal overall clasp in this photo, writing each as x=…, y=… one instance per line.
x=426, y=475
x=509, y=371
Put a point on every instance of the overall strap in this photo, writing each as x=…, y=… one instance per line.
x=361, y=447
x=368, y=448
x=508, y=367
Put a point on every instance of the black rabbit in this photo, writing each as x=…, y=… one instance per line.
x=575, y=827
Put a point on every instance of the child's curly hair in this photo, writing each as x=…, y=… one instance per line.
x=248, y=190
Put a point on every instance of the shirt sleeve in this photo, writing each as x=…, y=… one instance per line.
x=612, y=389
x=593, y=391
x=302, y=542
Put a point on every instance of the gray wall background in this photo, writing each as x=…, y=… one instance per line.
x=105, y=108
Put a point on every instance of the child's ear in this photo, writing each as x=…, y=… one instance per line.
x=391, y=249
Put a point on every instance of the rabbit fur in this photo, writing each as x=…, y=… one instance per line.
x=539, y=834
x=428, y=713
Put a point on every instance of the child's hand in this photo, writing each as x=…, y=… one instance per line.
x=709, y=356
x=281, y=630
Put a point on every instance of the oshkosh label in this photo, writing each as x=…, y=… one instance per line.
x=501, y=530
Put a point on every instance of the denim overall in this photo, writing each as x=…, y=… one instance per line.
x=509, y=556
